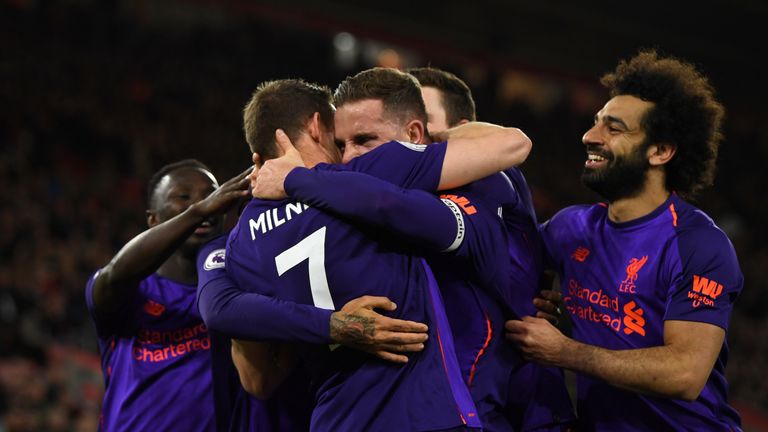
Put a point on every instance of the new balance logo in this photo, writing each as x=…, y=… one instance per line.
x=633, y=319
x=580, y=254
x=707, y=287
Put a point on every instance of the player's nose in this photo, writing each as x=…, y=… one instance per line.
x=591, y=136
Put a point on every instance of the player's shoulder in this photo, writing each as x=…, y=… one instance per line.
x=689, y=217
x=408, y=146
x=690, y=221
x=391, y=148
x=574, y=221
x=402, y=147
x=580, y=213
x=515, y=176
x=212, y=254
x=495, y=190
x=698, y=234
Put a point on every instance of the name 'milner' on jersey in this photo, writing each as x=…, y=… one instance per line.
x=294, y=252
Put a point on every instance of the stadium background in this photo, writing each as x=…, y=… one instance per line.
x=96, y=95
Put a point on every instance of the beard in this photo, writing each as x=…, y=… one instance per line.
x=622, y=177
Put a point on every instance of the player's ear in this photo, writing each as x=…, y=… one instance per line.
x=151, y=218
x=416, y=131
x=661, y=153
x=313, y=128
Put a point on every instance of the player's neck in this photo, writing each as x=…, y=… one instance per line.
x=653, y=194
x=311, y=156
x=179, y=268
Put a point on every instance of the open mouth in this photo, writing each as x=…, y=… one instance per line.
x=204, y=228
x=595, y=160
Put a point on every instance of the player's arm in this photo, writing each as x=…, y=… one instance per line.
x=473, y=151
x=118, y=280
x=417, y=216
x=262, y=366
x=476, y=150
x=465, y=224
x=678, y=369
x=226, y=308
x=251, y=316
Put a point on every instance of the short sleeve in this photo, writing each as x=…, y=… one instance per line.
x=709, y=280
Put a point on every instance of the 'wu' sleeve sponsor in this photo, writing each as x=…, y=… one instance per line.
x=709, y=281
x=411, y=166
x=227, y=309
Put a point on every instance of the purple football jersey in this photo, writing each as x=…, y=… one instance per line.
x=500, y=285
x=621, y=281
x=237, y=411
x=155, y=359
x=491, y=276
x=294, y=252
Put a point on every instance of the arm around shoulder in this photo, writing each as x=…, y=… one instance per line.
x=476, y=150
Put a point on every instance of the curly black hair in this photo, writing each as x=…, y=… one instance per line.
x=685, y=114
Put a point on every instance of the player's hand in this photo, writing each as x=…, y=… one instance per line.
x=358, y=326
x=549, y=306
x=225, y=196
x=270, y=180
x=255, y=172
x=538, y=339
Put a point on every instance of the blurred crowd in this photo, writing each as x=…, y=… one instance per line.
x=95, y=99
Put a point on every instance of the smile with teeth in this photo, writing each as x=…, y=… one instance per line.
x=594, y=159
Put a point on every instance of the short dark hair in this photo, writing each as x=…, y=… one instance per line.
x=454, y=93
x=167, y=169
x=283, y=104
x=399, y=92
x=685, y=114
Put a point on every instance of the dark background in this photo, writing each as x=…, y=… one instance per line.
x=97, y=95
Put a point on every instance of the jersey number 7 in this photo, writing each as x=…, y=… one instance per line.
x=312, y=248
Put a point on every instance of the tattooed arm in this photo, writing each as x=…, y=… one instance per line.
x=357, y=326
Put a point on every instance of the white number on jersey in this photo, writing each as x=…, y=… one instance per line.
x=313, y=249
